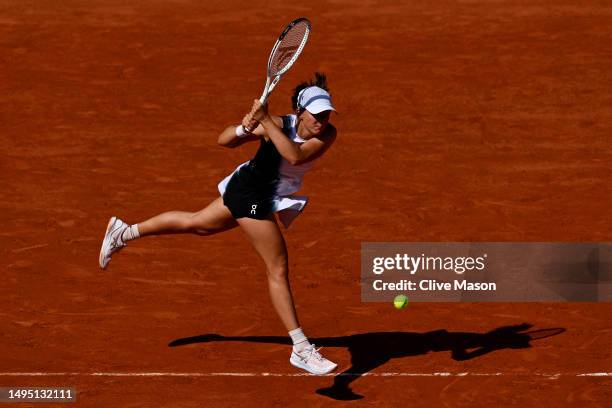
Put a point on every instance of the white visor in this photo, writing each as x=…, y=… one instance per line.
x=315, y=100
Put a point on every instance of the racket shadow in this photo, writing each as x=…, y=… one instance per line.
x=371, y=350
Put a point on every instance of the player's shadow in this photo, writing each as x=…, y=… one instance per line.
x=371, y=350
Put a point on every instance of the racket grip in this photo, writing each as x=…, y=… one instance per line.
x=269, y=88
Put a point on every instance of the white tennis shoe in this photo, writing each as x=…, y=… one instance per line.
x=112, y=240
x=312, y=361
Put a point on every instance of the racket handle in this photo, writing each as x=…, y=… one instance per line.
x=268, y=89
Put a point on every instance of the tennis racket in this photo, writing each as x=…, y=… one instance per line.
x=285, y=52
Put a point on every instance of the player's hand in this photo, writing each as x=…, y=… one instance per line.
x=259, y=111
x=248, y=123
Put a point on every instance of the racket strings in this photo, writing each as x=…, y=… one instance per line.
x=288, y=47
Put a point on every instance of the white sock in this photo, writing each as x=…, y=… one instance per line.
x=130, y=233
x=300, y=341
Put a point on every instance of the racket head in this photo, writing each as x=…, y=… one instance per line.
x=288, y=47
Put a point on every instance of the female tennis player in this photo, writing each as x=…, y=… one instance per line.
x=253, y=193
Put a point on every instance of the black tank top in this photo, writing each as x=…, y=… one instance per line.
x=267, y=160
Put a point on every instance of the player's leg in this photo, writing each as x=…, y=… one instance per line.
x=216, y=217
x=267, y=239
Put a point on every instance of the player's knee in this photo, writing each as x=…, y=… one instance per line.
x=278, y=272
x=201, y=230
x=186, y=225
x=198, y=227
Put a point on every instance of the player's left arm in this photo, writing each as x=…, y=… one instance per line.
x=297, y=153
x=294, y=153
x=260, y=130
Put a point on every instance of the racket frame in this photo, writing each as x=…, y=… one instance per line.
x=272, y=82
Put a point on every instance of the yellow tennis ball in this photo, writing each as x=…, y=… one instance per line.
x=400, y=301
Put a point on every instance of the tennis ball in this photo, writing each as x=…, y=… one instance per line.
x=400, y=301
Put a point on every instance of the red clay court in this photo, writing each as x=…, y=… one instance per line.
x=459, y=121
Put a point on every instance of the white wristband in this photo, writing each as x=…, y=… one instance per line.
x=240, y=131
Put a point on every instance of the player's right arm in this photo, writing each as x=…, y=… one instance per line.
x=230, y=136
x=236, y=135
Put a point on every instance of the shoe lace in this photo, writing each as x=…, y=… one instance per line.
x=312, y=352
x=117, y=243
